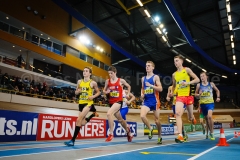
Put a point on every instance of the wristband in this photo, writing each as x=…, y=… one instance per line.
x=152, y=86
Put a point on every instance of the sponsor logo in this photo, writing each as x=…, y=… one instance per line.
x=119, y=131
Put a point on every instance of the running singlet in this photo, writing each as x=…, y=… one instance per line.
x=207, y=95
x=181, y=77
x=86, y=91
x=116, y=91
x=151, y=97
x=174, y=95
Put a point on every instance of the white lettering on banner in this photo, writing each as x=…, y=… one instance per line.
x=96, y=129
x=12, y=129
x=87, y=128
x=2, y=126
x=69, y=128
x=167, y=129
x=120, y=131
x=57, y=118
x=47, y=130
x=56, y=129
x=27, y=128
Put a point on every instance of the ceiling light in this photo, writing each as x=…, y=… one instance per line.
x=23, y=28
x=159, y=31
x=156, y=18
x=234, y=57
x=98, y=48
x=204, y=70
x=147, y=13
x=166, y=33
x=228, y=7
x=224, y=76
x=164, y=29
x=161, y=25
x=140, y=3
x=232, y=44
x=7, y=18
x=230, y=27
x=44, y=59
x=101, y=50
x=48, y=37
x=235, y=73
x=231, y=37
x=13, y=46
x=229, y=18
x=28, y=8
x=20, y=50
x=164, y=38
x=234, y=62
x=188, y=60
x=41, y=34
x=35, y=12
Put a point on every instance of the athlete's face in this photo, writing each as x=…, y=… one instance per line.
x=203, y=77
x=112, y=74
x=149, y=67
x=86, y=72
x=178, y=62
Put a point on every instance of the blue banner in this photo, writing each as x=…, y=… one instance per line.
x=119, y=131
x=167, y=129
x=217, y=125
x=18, y=126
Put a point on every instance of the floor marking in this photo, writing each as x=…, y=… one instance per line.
x=202, y=153
x=179, y=153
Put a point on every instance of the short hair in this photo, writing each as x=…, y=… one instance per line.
x=151, y=63
x=89, y=68
x=203, y=73
x=112, y=68
x=180, y=57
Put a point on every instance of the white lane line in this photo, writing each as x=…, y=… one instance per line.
x=202, y=153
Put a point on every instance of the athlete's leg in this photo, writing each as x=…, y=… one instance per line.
x=190, y=114
x=157, y=122
x=179, y=108
x=143, y=115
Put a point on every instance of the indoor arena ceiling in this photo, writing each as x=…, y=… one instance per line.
x=206, y=21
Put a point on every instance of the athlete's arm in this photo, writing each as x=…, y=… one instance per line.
x=158, y=85
x=95, y=87
x=197, y=91
x=168, y=93
x=193, y=75
x=122, y=81
x=105, y=89
x=142, y=90
x=78, y=89
x=173, y=84
x=132, y=98
x=217, y=91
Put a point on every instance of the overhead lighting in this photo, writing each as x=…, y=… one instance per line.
x=224, y=76
x=44, y=59
x=20, y=50
x=140, y=3
x=204, y=70
x=159, y=31
x=147, y=13
x=161, y=25
x=234, y=62
x=232, y=44
x=235, y=73
x=156, y=18
x=188, y=60
x=230, y=27
x=231, y=37
x=228, y=7
x=49, y=75
x=23, y=28
x=164, y=38
x=229, y=18
x=166, y=33
x=13, y=46
x=234, y=57
x=7, y=17
x=164, y=29
x=41, y=34
x=98, y=48
x=101, y=50
x=48, y=37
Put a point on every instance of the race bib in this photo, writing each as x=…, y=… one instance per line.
x=205, y=94
x=83, y=96
x=148, y=90
x=180, y=86
x=114, y=94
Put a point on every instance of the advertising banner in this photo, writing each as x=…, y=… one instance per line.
x=18, y=126
x=119, y=131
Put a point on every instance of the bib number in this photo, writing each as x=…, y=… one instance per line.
x=114, y=94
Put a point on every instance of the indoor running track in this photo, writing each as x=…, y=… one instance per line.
x=141, y=148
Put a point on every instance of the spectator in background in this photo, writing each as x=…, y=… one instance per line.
x=19, y=61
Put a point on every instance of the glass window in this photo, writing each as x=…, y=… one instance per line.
x=4, y=26
x=57, y=48
x=35, y=39
x=46, y=44
x=89, y=59
x=16, y=32
x=96, y=62
x=102, y=65
x=83, y=56
x=106, y=67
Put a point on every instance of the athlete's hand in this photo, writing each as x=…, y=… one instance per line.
x=218, y=100
x=168, y=98
x=200, y=92
x=78, y=91
x=185, y=83
x=127, y=102
x=148, y=84
x=108, y=91
x=142, y=97
x=91, y=97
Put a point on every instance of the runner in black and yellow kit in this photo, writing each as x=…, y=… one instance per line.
x=181, y=81
x=85, y=88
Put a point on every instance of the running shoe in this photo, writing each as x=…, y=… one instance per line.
x=150, y=134
x=185, y=138
x=194, y=121
x=203, y=131
x=212, y=136
x=179, y=139
x=109, y=138
x=159, y=141
x=69, y=143
x=206, y=136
